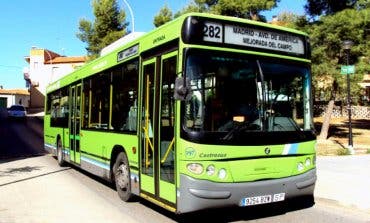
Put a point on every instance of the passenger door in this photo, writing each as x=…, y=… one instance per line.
x=74, y=123
x=157, y=133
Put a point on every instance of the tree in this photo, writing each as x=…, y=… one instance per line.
x=238, y=8
x=327, y=7
x=291, y=20
x=164, y=16
x=327, y=54
x=244, y=9
x=109, y=25
x=197, y=6
x=327, y=36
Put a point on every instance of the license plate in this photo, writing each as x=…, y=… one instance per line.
x=263, y=199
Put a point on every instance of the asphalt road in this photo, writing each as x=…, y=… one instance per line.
x=33, y=188
x=20, y=138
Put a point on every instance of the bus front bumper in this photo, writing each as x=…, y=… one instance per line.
x=201, y=194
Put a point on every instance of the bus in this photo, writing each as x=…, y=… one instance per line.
x=203, y=112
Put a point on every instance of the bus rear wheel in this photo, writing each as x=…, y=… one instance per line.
x=61, y=161
x=121, y=171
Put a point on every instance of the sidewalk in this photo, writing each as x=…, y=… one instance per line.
x=38, y=190
x=344, y=179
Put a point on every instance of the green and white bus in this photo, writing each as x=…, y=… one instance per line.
x=206, y=111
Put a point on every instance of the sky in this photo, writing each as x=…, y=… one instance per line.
x=52, y=25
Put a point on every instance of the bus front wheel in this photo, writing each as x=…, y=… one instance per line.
x=121, y=171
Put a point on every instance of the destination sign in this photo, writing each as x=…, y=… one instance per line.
x=264, y=39
x=252, y=37
x=124, y=54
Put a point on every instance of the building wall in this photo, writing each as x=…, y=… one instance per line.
x=37, y=98
x=15, y=100
x=42, y=71
x=3, y=101
x=42, y=74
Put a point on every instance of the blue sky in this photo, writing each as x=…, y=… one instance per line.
x=53, y=25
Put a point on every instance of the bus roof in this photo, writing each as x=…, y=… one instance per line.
x=156, y=37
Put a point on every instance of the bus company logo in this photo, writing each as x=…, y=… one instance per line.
x=159, y=39
x=212, y=155
x=267, y=150
x=190, y=152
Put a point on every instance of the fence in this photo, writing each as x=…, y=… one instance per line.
x=341, y=111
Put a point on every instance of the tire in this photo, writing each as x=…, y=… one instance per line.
x=60, y=155
x=121, y=174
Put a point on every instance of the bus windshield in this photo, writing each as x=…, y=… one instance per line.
x=233, y=93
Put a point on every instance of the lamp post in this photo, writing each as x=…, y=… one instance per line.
x=347, y=44
x=132, y=15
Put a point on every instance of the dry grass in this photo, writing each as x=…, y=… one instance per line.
x=337, y=141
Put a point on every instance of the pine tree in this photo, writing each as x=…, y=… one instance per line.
x=108, y=26
x=164, y=16
x=327, y=36
x=238, y=8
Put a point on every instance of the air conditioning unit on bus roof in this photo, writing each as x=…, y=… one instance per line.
x=120, y=42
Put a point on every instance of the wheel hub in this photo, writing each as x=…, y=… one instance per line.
x=122, y=177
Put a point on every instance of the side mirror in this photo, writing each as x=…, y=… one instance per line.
x=183, y=90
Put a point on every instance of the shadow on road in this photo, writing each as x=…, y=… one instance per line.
x=340, y=129
x=236, y=213
x=21, y=139
x=33, y=177
x=26, y=169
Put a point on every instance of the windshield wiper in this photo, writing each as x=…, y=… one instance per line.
x=239, y=127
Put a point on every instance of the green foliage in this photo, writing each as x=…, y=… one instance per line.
x=294, y=21
x=362, y=4
x=109, y=25
x=238, y=8
x=197, y=6
x=244, y=9
x=328, y=7
x=327, y=36
x=164, y=16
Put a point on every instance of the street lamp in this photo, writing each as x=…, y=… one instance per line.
x=132, y=15
x=347, y=44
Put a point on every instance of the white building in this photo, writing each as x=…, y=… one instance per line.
x=45, y=67
x=9, y=97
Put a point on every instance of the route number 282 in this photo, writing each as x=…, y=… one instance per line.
x=212, y=32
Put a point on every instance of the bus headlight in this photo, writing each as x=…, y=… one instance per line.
x=300, y=166
x=222, y=174
x=210, y=170
x=195, y=168
x=307, y=162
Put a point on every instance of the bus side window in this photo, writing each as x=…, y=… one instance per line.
x=125, y=84
x=131, y=119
